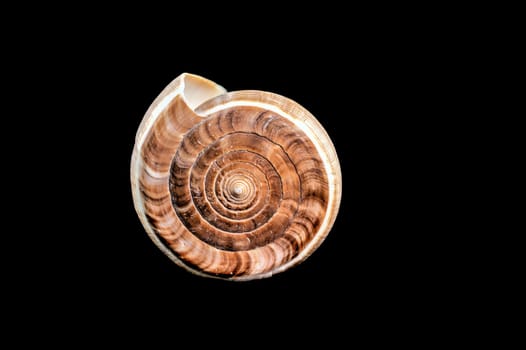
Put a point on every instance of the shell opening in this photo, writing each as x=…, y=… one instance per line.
x=197, y=90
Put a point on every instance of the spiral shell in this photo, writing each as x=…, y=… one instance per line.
x=233, y=185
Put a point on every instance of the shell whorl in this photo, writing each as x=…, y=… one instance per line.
x=233, y=185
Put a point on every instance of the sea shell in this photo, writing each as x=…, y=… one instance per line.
x=233, y=185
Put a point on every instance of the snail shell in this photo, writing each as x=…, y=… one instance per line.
x=233, y=185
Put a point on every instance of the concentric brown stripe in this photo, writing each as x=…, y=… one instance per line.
x=256, y=236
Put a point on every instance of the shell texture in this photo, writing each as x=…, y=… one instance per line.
x=235, y=185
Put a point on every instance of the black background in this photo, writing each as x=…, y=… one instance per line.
x=376, y=250
x=378, y=90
